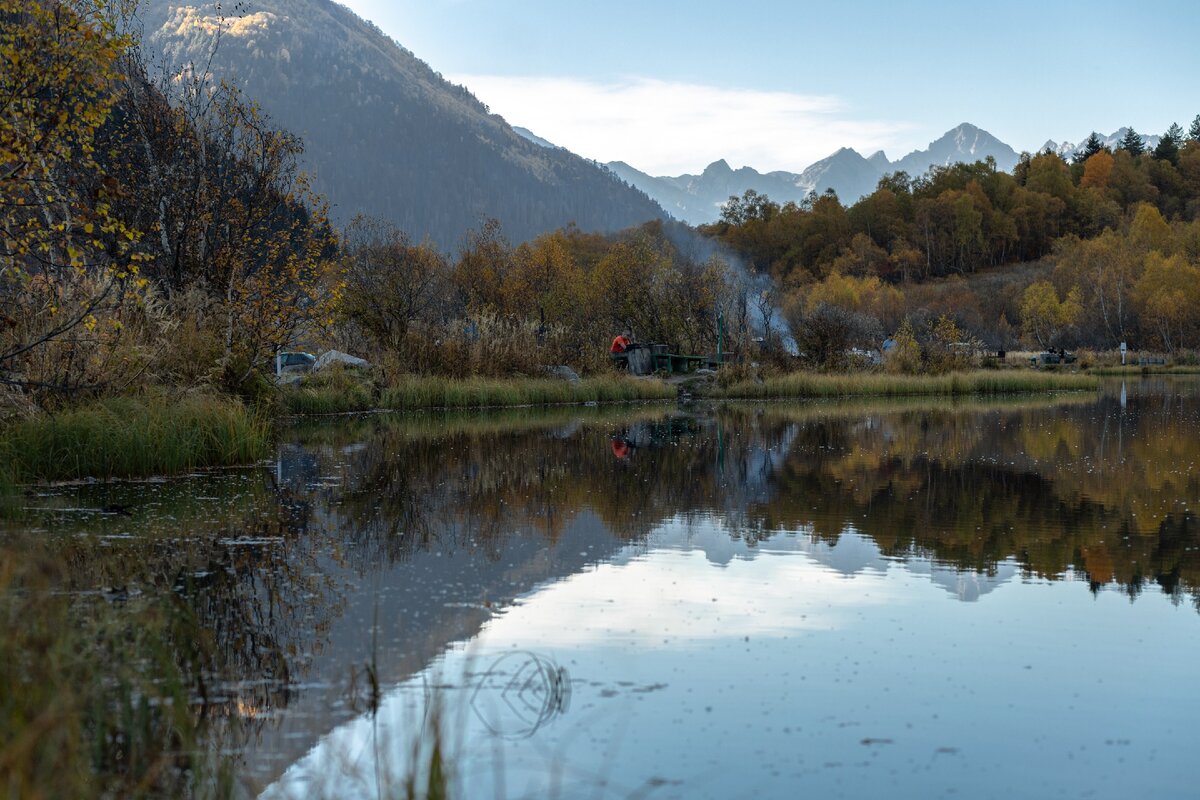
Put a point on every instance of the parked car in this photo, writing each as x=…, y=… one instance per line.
x=294, y=363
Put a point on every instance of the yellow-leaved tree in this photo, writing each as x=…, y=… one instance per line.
x=1044, y=316
x=1168, y=299
x=68, y=261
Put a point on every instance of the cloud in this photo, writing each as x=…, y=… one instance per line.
x=668, y=128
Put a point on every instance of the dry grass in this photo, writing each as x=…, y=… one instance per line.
x=807, y=384
x=420, y=392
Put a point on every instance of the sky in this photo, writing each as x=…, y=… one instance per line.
x=669, y=87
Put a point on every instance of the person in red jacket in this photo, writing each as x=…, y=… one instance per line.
x=621, y=343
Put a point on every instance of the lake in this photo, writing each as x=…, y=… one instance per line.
x=872, y=598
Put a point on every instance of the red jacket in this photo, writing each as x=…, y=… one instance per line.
x=620, y=344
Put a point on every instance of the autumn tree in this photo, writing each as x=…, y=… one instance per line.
x=1168, y=297
x=68, y=259
x=1096, y=170
x=390, y=282
x=1044, y=316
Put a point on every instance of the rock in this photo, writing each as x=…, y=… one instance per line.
x=706, y=371
x=563, y=373
x=338, y=357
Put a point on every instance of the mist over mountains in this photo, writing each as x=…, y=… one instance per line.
x=384, y=134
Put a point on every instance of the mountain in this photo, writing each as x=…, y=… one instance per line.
x=1068, y=150
x=384, y=134
x=966, y=143
x=697, y=199
x=846, y=172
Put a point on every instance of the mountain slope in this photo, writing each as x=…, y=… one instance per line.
x=384, y=134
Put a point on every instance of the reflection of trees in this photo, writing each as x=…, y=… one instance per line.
x=1053, y=486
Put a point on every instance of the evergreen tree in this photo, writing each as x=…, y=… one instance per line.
x=1132, y=143
x=1194, y=131
x=1168, y=146
x=1092, y=146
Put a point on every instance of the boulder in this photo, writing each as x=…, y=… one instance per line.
x=563, y=373
x=338, y=357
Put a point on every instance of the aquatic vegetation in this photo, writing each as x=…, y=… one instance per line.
x=95, y=703
x=133, y=437
x=812, y=384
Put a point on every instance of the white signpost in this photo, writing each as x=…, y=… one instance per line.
x=1123, y=349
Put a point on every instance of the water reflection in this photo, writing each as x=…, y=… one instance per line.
x=553, y=545
x=519, y=694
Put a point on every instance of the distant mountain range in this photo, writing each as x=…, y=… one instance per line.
x=384, y=134
x=697, y=199
x=1068, y=150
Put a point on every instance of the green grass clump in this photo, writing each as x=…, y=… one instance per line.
x=327, y=399
x=335, y=390
x=134, y=437
x=421, y=392
x=809, y=384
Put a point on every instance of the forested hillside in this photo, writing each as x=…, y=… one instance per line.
x=1120, y=228
x=383, y=133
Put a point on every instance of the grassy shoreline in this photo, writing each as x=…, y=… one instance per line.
x=160, y=435
x=1132, y=370
x=980, y=382
x=132, y=437
x=429, y=393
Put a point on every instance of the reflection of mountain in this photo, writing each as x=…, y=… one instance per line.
x=849, y=555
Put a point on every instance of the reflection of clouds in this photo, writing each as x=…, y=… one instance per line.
x=672, y=599
x=668, y=597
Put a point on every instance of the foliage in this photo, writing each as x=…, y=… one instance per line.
x=905, y=355
x=1044, y=316
x=69, y=257
x=133, y=437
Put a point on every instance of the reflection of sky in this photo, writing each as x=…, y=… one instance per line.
x=769, y=671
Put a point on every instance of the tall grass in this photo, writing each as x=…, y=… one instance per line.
x=1132, y=370
x=802, y=384
x=134, y=437
x=95, y=704
x=327, y=399
x=423, y=392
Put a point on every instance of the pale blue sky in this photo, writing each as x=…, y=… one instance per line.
x=671, y=86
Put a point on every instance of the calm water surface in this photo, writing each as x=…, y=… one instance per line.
x=865, y=599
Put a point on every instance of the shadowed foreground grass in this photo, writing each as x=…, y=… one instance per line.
x=804, y=384
x=133, y=437
x=414, y=393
